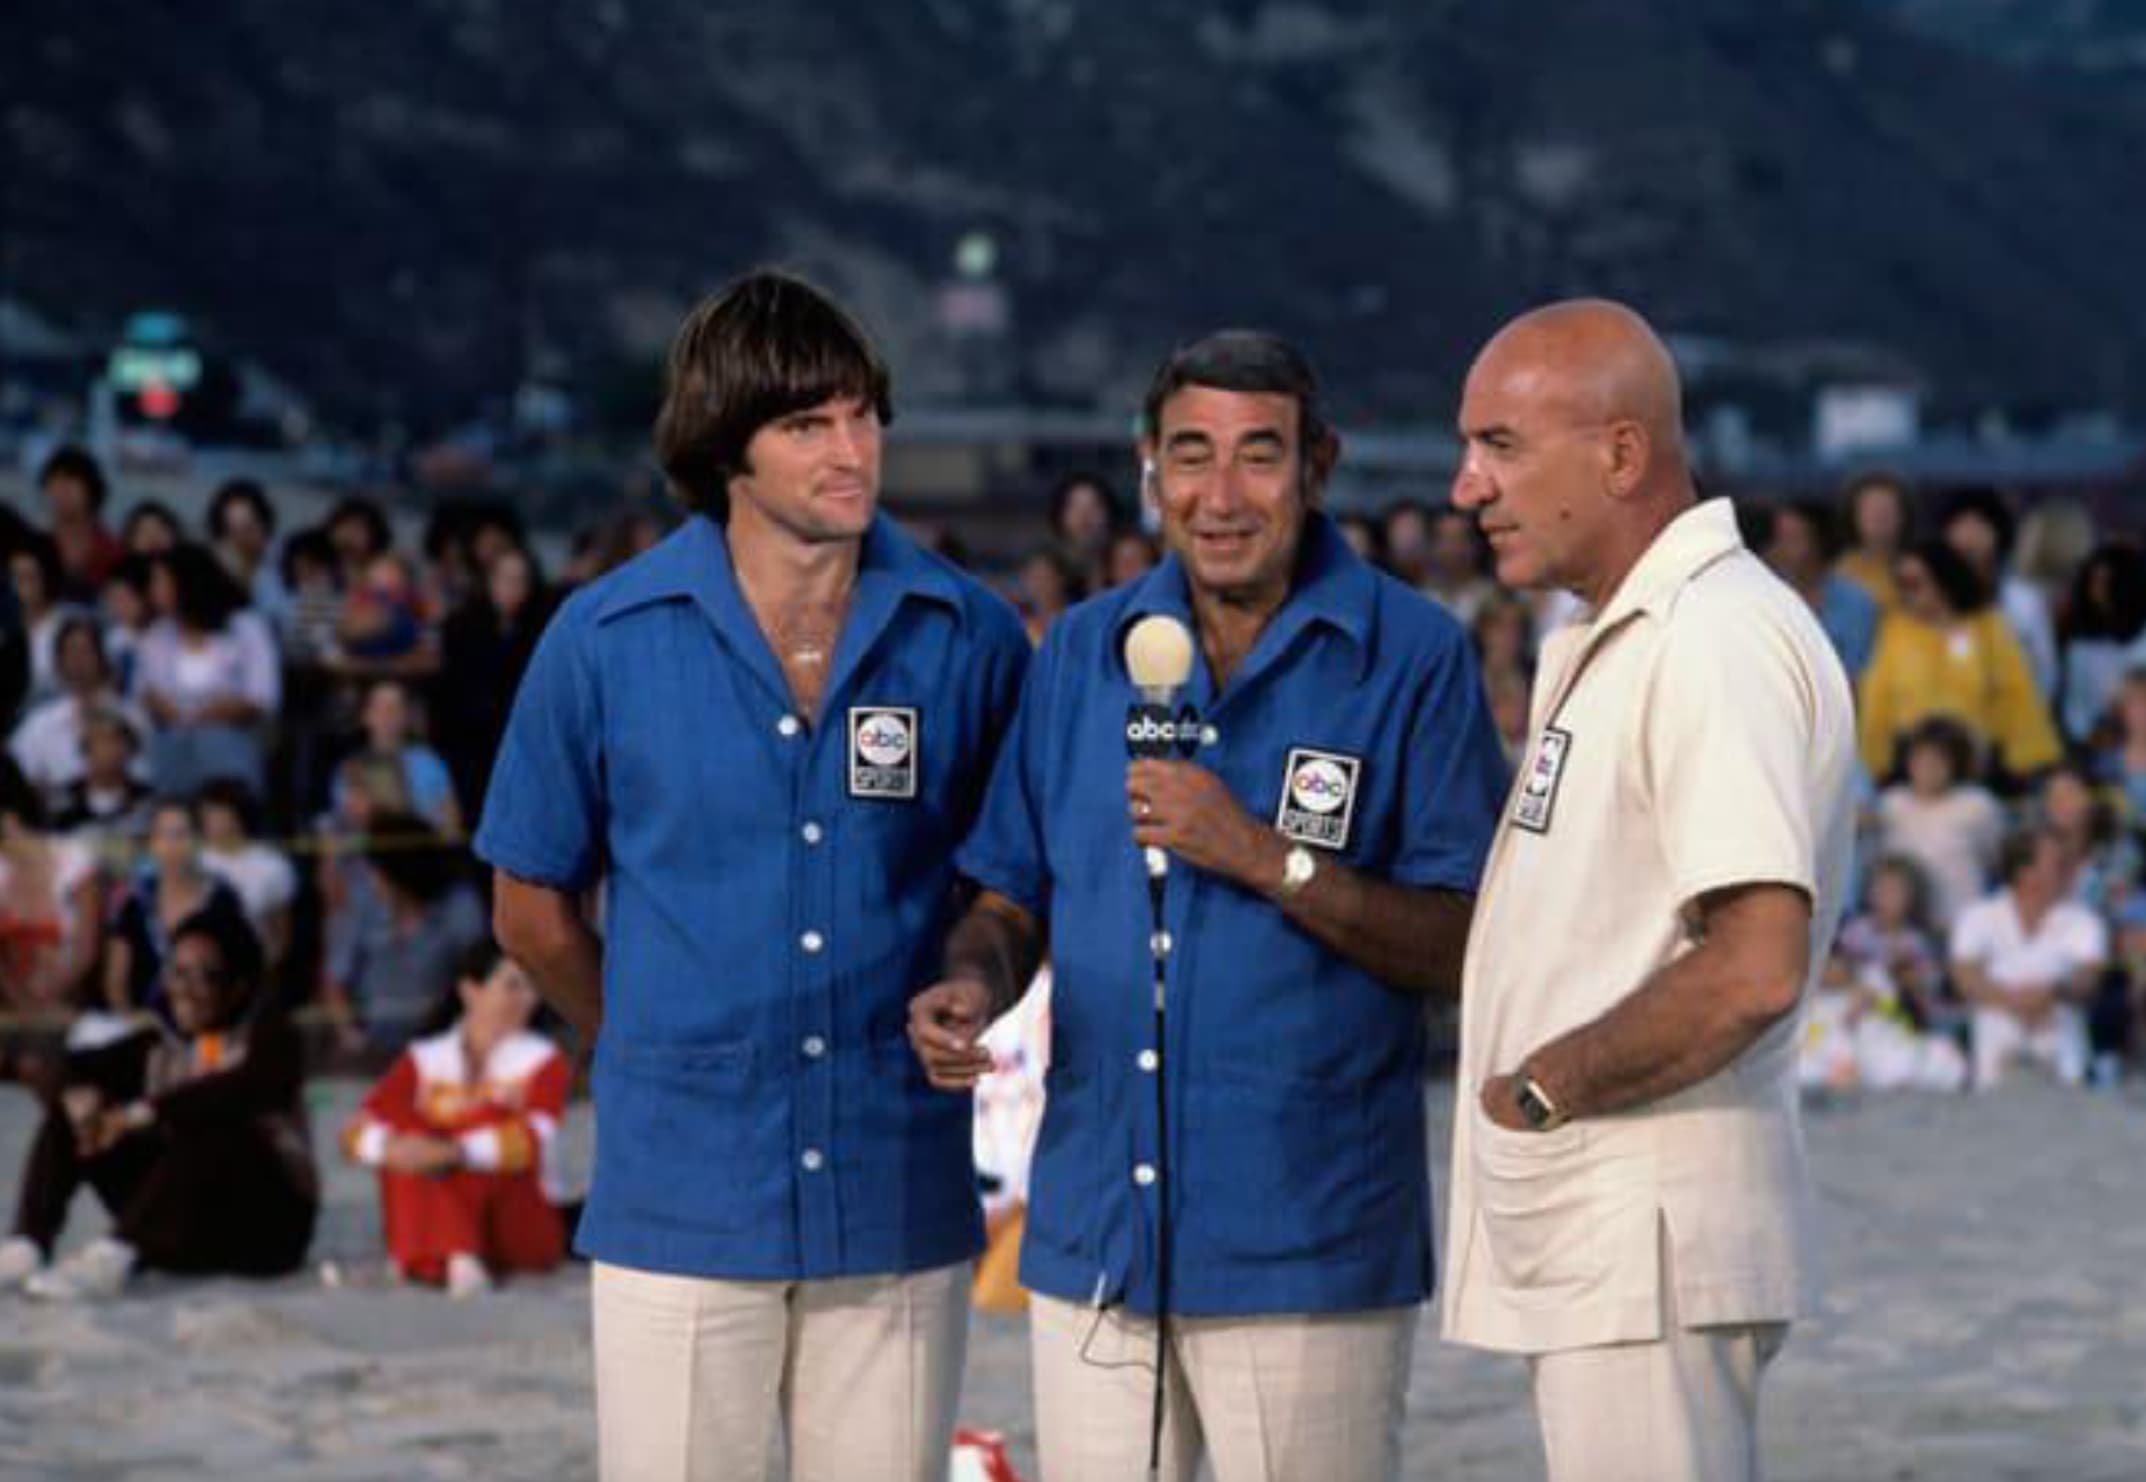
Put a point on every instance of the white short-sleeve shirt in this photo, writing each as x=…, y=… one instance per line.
x=1991, y=935
x=1696, y=734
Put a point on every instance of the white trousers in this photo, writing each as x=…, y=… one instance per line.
x=1309, y=1397
x=2060, y=1044
x=1684, y=1408
x=700, y=1380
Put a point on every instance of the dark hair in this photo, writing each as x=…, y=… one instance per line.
x=143, y=513
x=2017, y=851
x=378, y=537
x=232, y=793
x=45, y=551
x=132, y=572
x=227, y=929
x=2102, y=824
x=1861, y=485
x=113, y=716
x=1069, y=574
x=1756, y=521
x=235, y=492
x=2122, y=614
x=207, y=597
x=311, y=544
x=1255, y=361
x=18, y=797
x=1062, y=498
x=82, y=622
x=1981, y=502
x=1818, y=517
x=1909, y=869
x=1949, y=737
x=71, y=462
x=473, y=964
x=766, y=346
x=1956, y=580
x=411, y=855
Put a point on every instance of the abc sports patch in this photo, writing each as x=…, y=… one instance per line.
x=883, y=744
x=1319, y=797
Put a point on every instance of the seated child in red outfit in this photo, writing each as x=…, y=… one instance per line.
x=462, y=1129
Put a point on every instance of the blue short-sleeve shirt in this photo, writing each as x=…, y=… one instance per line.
x=776, y=891
x=1295, y=1080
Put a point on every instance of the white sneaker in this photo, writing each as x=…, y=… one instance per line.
x=466, y=1277
x=20, y=1259
x=96, y=1272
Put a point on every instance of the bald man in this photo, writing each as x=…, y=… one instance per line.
x=1630, y=1204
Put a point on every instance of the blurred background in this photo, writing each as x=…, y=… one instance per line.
x=440, y=246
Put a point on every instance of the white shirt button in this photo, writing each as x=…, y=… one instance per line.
x=813, y=833
x=1143, y=1174
x=1209, y=736
x=812, y=941
x=812, y=1160
x=1148, y=1060
x=789, y=725
x=814, y=1047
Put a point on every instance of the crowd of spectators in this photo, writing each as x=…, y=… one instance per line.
x=270, y=745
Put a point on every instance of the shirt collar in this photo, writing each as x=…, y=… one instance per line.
x=1687, y=545
x=693, y=562
x=1334, y=588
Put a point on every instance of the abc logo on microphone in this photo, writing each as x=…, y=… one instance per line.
x=1155, y=731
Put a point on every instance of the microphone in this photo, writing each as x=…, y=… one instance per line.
x=1158, y=655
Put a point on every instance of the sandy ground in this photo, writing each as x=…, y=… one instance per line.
x=1986, y=1319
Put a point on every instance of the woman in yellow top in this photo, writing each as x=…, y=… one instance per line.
x=1947, y=651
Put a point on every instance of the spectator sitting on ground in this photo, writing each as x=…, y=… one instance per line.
x=169, y=888
x=393, y=958
x=2101, y=859
x=2025, y=960
x=1893, y=932
x=1946, y=824
x=1875, y=1018
x=393, y=727
x=74, y=490
x=47, y=745
x=208, y=675
x=357, y=530
x=463, y=1129
x=1946, y=651
x=259, y=874
x=107, y=807
x=194, y=1139
x=49, y=906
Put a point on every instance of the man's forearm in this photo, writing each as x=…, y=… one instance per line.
x=999, y=945
x=1685, y=1023
x=1408, y=937
x=569, y=974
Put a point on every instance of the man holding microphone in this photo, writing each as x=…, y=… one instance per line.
x=1318, y=855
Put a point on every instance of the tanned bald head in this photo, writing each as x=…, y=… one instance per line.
x=1573, y=424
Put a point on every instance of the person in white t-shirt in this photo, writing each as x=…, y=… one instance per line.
x=259, y=874
x=1948, y=824
x=47, y=745
x=2026, y=960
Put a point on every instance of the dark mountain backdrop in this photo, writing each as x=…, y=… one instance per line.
x=400, y=207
